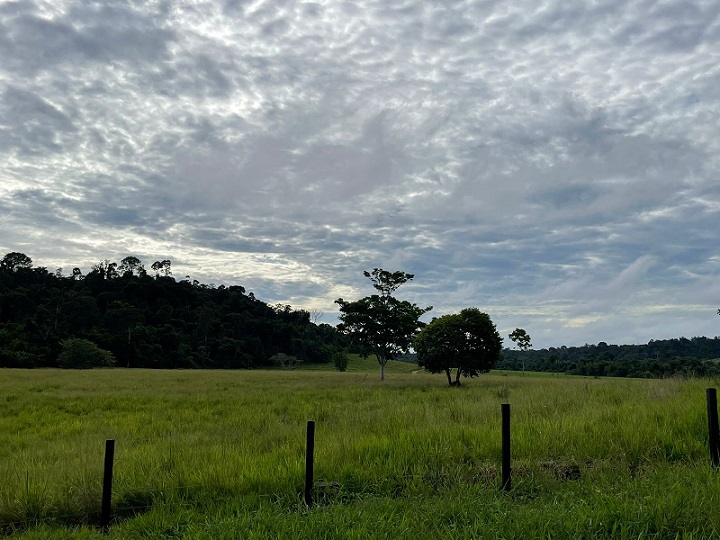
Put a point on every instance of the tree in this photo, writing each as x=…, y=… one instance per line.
x=103, y=270
x=132, y=266
x=80, y=353
x=341, y=360
x=467, y=342
x=13, y=261
x=120, y=318
x=111, y=271
x=382, y=325
x=521, y=339
x=75, y=312
x=162, y=268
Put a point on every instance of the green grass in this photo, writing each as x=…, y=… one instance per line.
x=220, y=454
x=367, y=366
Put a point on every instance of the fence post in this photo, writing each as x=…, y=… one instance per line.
x=309, y=458
x=713, y=429
x=506, y=471
x=105, y=512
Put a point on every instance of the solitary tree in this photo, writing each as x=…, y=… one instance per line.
x=380, y=324
x=467, y=342
x=521, y=339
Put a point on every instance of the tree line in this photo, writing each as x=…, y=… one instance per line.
x=136, y=318
x=121, y=314
x=697, y=356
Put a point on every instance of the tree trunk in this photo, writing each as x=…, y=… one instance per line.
x=447, y=372
x=457, y=377
x=382, y=360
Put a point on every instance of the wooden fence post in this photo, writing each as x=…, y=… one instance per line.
x=713, y=429
x=105, y=512
x=506, y=470
x=309, y=458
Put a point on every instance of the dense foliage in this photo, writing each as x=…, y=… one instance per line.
x=147, y=320
x=698, y=356
x=78, y=353
x=467, y=342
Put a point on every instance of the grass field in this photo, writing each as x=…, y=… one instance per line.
x=220, y=454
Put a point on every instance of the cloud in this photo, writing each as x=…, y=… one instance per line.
x=553, y=163
x=33, y=125
x=589, y=295
x=35, y=41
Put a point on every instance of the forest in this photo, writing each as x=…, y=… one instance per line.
x=148, y=319
x=697, y=356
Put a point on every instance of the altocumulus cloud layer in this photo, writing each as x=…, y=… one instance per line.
x=554, y=163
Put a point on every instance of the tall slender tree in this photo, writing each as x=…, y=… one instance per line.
x=380, y=324
x=521, y=339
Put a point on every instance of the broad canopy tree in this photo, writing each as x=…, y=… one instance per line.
x=380, y=324
x=467, y=342
x=131, y=266
x=14, y=261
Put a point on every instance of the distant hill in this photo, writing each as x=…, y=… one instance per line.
x=148, y=320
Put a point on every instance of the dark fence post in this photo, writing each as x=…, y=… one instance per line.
x=105, y=513
x=309, y=457
x=506, y=471
x=713, y=429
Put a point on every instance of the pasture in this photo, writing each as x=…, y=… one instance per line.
x=220, y=454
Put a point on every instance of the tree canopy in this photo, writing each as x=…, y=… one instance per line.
x=380, y=324
x=151, y=321
x=467, y=342
x=14, y=261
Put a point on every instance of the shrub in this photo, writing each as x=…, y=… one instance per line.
x=78, y=353
x=341, y=360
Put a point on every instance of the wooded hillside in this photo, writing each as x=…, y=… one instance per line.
x=697, y=356
x=147, y=319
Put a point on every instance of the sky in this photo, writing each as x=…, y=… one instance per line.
x=555, y=164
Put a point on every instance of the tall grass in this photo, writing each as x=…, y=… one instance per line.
x=201, y=454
